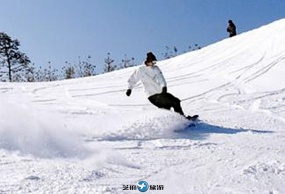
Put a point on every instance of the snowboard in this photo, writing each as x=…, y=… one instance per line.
x=192, y=118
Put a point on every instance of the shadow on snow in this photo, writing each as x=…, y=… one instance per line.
x=203, y=130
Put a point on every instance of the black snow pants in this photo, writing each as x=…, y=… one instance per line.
x=166, y=101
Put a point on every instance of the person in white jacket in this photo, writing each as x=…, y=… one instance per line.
x=155, y=86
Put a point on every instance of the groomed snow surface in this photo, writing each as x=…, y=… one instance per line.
x=87, y=136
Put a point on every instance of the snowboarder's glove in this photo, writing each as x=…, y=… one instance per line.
x=164, y=89
x=129, y=91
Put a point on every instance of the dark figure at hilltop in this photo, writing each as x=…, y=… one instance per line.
x=231, y=29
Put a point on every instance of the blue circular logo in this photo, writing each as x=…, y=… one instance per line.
x=142, y=186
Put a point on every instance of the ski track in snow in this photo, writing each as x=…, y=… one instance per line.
x=86, y=136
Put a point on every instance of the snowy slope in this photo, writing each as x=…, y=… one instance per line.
x=86, y=136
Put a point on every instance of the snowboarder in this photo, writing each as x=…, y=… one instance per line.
x=231, y=29
x=155, y=86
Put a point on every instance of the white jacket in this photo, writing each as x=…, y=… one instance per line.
x=151, y=78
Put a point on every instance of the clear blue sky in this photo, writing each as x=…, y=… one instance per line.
x=62, y=30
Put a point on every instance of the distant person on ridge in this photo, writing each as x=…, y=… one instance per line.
x=231, y=29
x=155, y=86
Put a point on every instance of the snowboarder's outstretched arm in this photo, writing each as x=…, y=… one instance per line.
x=132, y=81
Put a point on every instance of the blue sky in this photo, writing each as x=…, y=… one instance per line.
x=63, y=30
